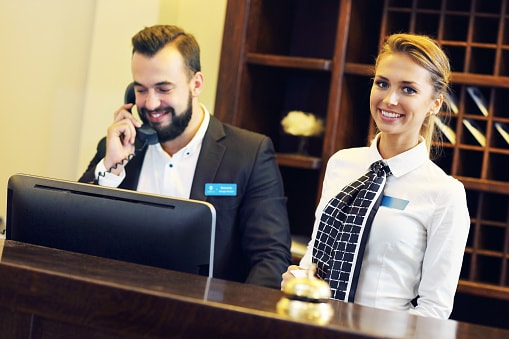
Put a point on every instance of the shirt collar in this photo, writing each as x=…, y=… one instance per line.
x=195, y=144
x=404, y=162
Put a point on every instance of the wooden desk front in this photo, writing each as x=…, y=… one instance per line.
x=48, y=293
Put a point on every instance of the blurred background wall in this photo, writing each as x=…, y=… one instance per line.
x=64, y=66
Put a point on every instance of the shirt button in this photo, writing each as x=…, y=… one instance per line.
x=171, y=165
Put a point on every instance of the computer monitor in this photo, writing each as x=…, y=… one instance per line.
x=142, y=228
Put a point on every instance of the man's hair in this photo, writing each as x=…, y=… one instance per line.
x=152, y=39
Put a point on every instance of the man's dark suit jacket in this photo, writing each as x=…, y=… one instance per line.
x=252, y=230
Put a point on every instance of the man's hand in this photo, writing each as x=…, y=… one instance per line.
x=120, y=139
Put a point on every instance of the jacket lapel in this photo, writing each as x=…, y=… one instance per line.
x=211, y=155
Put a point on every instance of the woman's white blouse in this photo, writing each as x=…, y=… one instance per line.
x=414, y=251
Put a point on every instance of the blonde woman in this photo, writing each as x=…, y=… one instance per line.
x=413, y=254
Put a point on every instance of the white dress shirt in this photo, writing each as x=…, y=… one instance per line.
x=417, y=250
x=161, y=173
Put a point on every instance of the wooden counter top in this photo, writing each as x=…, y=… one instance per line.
x=46, y=292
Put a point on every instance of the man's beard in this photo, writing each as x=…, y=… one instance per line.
x=178, y=124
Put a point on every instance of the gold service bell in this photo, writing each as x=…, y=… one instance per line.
x=306, y=298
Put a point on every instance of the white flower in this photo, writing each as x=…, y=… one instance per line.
x=302, y=124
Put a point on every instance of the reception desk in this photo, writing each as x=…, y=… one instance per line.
x=48, y=293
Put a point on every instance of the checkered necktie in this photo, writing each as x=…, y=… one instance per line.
x=344, y=230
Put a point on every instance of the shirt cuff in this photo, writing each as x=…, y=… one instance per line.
x=106, y=178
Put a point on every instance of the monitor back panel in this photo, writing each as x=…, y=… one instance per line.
x=125, y=225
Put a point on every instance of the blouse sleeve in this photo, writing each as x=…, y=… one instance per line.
x=446, y=241
x=306, y=260
x=334, y=179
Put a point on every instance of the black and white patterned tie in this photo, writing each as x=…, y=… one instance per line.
x=344, y=230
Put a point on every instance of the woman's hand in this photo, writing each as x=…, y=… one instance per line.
x=288, y=275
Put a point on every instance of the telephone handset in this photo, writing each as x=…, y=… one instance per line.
x=146, y=134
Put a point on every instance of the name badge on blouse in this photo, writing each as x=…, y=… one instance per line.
x=218, y=190
x=392, y=202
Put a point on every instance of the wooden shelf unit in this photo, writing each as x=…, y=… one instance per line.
x=317, y=56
